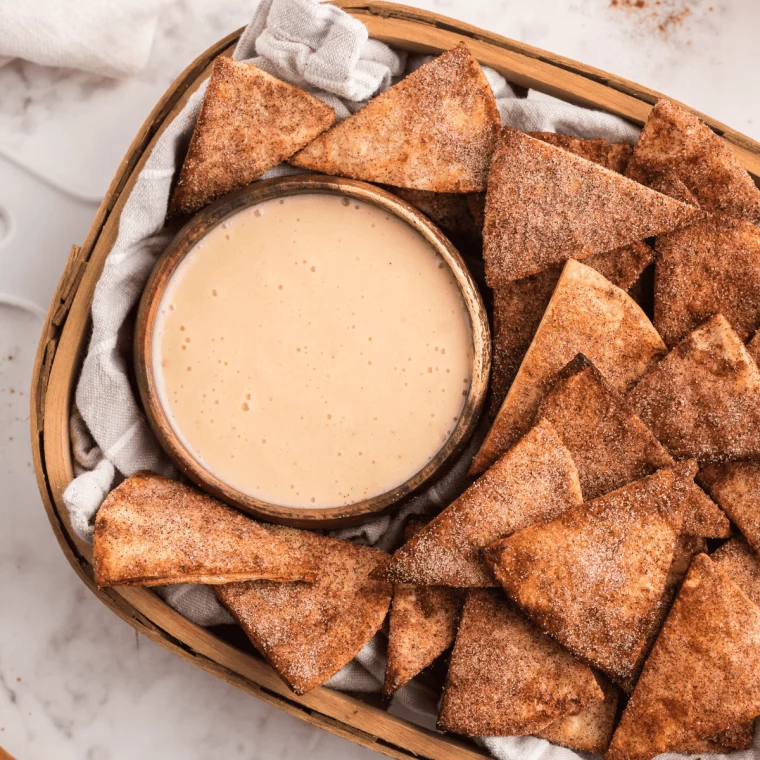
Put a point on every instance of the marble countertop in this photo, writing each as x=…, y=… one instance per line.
x=76, y=681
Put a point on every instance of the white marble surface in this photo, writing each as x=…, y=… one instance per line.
x=75, y=681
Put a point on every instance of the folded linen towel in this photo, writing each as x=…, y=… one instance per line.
x=108, y=37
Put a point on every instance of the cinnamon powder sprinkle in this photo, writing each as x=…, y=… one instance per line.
x=662, y=16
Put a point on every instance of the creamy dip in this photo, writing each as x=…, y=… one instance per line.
x=313, y=351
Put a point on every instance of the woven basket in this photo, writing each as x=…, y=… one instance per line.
x=66, y=330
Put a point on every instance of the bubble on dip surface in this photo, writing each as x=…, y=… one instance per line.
x=313, y=351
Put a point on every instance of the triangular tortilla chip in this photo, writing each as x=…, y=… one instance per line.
x=586, y=314
x=593, y=577
x=248, y=123
x=450, y=211
x=152, y=531
x=308, y=631
x=736, y=487
x=535, y=480
x=676, y=140
x=506, y=678
x=590, y=730
x=613, y=156
x=518, y=307
x=434, y=130
x=703, y=674
x=422, y=625
x=703, y=399
x=545, y=205
x=611, y=446
x=710, y=267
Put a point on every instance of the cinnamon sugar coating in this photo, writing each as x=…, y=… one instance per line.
x=674, y=139
x=545, y=205
x=151, y=531
x=308, y=631
x=593, y=578
x=506, y=678
x=434, y=130
x=710, y=267
x=248, y=123
x=611, y=446
x=703, y=399
x=536, y=480
x=588, y=315
x=703, y=675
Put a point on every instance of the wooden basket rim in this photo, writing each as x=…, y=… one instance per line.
x=64, y=336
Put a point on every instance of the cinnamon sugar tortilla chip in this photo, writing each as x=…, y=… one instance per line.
x=506, y=678
x=710, y=267
x=434, y=130
x=535, y=480
x=518, y=307
x=590, y=730
x=703, y=399
x=736, y=487
x=611, y=446
x=152, y=531
x=545, y=205
x=248, y=123
x=613, y=156
x=586, y=314
x=308, y=631
x=593, y=577
x=676, y=140
x=703, y=675
x=423, y=624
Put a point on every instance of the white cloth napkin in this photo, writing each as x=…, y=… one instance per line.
x=108, y=37
x=328, y=52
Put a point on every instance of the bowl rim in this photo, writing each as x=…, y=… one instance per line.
x=212, y=216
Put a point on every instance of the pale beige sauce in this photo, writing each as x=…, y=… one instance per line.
x=314, y=351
